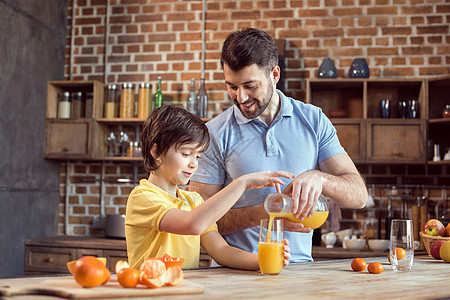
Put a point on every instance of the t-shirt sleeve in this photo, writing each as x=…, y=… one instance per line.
x=328, y=140
x=148, y=209
x=211, y=168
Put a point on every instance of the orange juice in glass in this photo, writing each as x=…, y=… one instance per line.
x=270, y=248
x=280, y=205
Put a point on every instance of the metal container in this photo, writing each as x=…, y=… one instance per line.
x=115, y=226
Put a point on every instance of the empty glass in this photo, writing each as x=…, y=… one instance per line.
x=401, y=248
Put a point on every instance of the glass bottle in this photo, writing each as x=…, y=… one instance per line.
x=370, y=225
x=158, y=98
x=280, y=205
x=64, y=105
x=127, y=101
x=111, y=101
x=446, y=111
x=191, y=102
x=144, y=100
x=202, y=100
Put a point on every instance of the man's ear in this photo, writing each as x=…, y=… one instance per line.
x=154, y=151
x=275, y=74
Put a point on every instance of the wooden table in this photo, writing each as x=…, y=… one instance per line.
x=428, y=279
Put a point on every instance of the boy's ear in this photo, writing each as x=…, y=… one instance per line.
x=154, y=151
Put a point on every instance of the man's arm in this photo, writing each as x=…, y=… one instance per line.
x=338, y=179
x=235, y=219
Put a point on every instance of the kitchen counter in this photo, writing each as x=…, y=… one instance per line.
x=321, y=279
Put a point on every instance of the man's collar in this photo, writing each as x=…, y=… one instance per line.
x=285, y=111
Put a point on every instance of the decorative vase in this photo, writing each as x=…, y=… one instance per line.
x=327, y=69
x=359, y=69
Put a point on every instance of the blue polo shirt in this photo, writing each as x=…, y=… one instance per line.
x=299, y=138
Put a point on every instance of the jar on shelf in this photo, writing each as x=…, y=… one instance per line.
x=111, y=101
x=446, y=111
x=88, y=105
x=77, y=110
x=144, y=106
x=127, y=101
x=64, y=105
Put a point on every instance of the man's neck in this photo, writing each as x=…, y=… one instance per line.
x=272, y=109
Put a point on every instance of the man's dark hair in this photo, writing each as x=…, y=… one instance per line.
x=170, y=125
x=249, y=46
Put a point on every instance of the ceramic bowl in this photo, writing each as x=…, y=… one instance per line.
x=354, y=244
x=378, y=245
x=342, y=234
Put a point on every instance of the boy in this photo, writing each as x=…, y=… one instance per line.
x=161, y=218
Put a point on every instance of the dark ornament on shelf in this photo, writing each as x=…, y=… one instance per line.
x=327, y=69
x=359, y=69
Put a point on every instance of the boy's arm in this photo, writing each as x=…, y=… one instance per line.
x=227, y=255
x=235, y=219
x=200, y=218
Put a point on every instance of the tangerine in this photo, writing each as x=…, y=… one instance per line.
x=153, y=268
x=128, y=277
x=399, y=253
x=375, y=268
x=359, y=264
x=88, y=271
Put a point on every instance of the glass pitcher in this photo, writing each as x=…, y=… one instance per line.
x=280, y=205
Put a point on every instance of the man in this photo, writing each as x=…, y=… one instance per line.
x=265, y=130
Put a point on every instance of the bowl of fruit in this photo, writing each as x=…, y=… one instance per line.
x=433, y=231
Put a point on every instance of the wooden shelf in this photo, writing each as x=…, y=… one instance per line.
x=440, y=120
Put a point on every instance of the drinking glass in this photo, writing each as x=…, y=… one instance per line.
x=270, y=248
x=401, y=248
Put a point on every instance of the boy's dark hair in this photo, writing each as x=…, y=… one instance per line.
x=249, y=46
x=170, y=125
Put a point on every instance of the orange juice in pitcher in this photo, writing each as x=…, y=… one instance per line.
x=280, y=205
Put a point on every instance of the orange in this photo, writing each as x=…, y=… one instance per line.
x=70, y=264
x=375, y=268
x=174, y=275
x=399, y=252
x=88, y=271
x=121, y=264
x=359, y=264
x=128, y=277
x=152, y=268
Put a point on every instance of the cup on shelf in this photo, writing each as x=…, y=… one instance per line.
x=402, y=109
x=413, y=109
x=385, y=108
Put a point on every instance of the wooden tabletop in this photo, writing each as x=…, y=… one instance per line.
x=427, y=279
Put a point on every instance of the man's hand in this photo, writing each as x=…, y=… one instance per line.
x=296, y=227
x=305, y=190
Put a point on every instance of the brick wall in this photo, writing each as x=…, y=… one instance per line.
x=117, y=41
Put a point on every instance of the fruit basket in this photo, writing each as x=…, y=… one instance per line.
x=428, y=240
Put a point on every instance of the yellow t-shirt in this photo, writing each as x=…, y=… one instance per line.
x=146, y=206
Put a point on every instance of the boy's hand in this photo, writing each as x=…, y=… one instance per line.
x=286, y=252
x=265, y=178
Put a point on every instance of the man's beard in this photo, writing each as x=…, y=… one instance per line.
x=261, y=105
